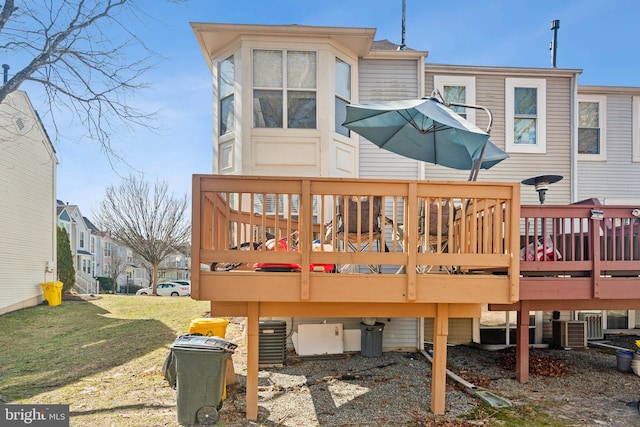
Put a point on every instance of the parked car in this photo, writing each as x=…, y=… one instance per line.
x=183, y=282
x=168, y=289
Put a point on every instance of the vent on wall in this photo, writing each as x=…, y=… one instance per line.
x=20, y=125
x=569, y=334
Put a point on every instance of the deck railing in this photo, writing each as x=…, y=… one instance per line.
x=590, y=252
x=253, y=237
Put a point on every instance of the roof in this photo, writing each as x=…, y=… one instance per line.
x=213, y=38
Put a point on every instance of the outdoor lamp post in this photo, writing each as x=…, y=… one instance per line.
x=542, y=183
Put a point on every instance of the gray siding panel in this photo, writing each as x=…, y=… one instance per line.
x=618, y=176
x=398, y=333
x=490, y=92
x=384, y=80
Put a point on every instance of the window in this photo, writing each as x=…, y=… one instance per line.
x=82, y=239
x=226, y=86
x=284, y=89
x=525, y=115
x=107, y=248
x=458, y=89
x=343, y=95
x=636, y=128
x=591, y=127
x=92, y=244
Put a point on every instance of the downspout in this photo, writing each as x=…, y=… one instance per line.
x=573, y=155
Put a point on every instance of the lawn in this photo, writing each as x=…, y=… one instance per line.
x=102, y=357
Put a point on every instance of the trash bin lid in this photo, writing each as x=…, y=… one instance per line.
x=202, y=342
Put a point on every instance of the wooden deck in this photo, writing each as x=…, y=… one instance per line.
x=425, y=255
x=594, y=264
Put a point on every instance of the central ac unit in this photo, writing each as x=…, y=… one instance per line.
x=594, y=325
x=569, y=334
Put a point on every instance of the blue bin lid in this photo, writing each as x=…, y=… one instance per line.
x=626, y=352
x=203, y=342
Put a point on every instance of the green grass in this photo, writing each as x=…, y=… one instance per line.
x=102, y=357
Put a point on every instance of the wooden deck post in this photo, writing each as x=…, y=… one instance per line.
x=522, y=343
x=253, y=320
x=439, y=366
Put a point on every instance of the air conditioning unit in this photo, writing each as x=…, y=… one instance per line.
x=594, y=325
x=569, y=334
x=272, y=343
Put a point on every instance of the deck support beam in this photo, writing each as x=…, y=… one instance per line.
x=522, y=343
x=439, y=366
x=253, y=325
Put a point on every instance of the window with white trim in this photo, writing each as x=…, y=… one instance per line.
x=525, y=115
x=592, y=113
x=226, y=88
x=343, y=95
x=284, y=89
x=636, y=128
x=459, y=89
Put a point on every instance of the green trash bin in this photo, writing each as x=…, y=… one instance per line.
x=200, y=364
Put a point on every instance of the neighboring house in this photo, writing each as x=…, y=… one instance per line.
x=134, y=274
x=609, y=162
x=28, y=228
x=176, y=266
x=96, y=254
x=70, y=217
x=279, y=101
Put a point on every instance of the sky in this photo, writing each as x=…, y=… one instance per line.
x=599, y=37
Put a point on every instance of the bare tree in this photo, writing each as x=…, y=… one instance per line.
x=80, y=52
x=146, y=219
x=118, y=264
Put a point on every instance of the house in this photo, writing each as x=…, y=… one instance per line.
x=96, y=254
x=72, y=220
x=280, y=94
x=176, y=266
x=27, y=166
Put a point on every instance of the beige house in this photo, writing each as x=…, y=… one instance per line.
x=28, y=227
x=279, y=99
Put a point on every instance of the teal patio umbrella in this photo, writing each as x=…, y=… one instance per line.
x=426, y=129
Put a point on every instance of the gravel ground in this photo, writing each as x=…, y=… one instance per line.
x=575, y=387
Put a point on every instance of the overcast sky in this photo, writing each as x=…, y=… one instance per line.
x=599, y=37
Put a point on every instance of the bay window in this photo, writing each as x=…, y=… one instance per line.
x=226, y=87
x=343, y=95
x=284, y=89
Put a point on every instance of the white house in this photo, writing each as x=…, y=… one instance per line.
x=27, y=204
x=70, y=217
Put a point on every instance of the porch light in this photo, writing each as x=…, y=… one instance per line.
x=542, y=183
x=597, y=214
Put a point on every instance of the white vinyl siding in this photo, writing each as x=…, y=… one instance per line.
x=636, y=128
x=27, y=168
x=384, y=80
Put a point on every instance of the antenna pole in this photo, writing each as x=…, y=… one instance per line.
x=404, y=8
x=555, y=24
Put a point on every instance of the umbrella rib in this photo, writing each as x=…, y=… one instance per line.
x=411, y=120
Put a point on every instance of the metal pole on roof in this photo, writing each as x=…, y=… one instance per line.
x=404, y=8
x=555, y=24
